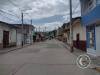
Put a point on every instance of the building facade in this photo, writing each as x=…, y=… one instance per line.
x=90, y=10
x=79, y=34
x=59, y=34
x=7, y=35
x=25, y=36
x=12, y=35
x=66, y=33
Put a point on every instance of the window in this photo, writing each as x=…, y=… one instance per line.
x=91, y=37
x=98, y=1
x=91, y=41
x=91, y=4
x=87, y=6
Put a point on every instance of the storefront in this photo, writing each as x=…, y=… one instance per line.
x=91, y=20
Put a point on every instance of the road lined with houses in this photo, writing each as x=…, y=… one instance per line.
x=44, y=58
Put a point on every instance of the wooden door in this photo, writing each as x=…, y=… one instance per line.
x=5, y=39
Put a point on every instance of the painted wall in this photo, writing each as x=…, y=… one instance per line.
x=92, y=12
x=2, y=28
x=1, y=34
x=68, y=37
x=98, y=41
x=91, y=17
x=19, y=39
x=98, y=1
x=12, y=36
x=78, y=29
x=81, y=30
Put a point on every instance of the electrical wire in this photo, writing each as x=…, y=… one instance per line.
x=7, y=17
x=75, y=9
x=16, y=6
x=9, y=13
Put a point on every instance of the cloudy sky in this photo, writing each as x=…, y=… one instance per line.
x=49, y=14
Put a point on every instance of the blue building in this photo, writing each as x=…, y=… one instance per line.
x=90, y=12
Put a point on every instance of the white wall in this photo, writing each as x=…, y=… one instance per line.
x=1, y=35
x=19, y=39
x=2, y=28
x=30, y=37
x=81, y=30
x=12, y=35
x=98, y=41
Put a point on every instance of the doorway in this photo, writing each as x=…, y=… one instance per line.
x=5, y=39
x=78, y=40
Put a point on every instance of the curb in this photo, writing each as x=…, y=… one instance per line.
x=14, y=49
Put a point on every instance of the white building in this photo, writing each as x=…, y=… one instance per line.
x=7, y=35
x=25, y=36
x=12, y=34
x=79, y=34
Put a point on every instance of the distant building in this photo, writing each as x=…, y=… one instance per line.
x=90, y=10
x=66, y=32
x=59, y=34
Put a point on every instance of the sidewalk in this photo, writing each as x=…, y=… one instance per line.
x=76, y=52
x=6, y=50
x=95, y=62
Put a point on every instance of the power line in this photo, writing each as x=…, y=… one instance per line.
x=2, y=12
x=14, y=4
x=16, y=7
x=9, y=13
x=73, y=12
x=8, y=18
x=75, y=8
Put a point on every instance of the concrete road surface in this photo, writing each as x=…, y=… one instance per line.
x=44, y=58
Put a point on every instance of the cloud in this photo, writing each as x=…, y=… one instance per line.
x=48, y=26
x=47, y=12
x=38, y=8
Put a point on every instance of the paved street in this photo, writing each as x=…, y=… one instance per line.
x=45, y=58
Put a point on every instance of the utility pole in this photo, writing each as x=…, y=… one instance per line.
x=31, y=21
x=71, y=27
x=22, y=29
x=39, y=28
x=45, y=29
x=30, y=35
